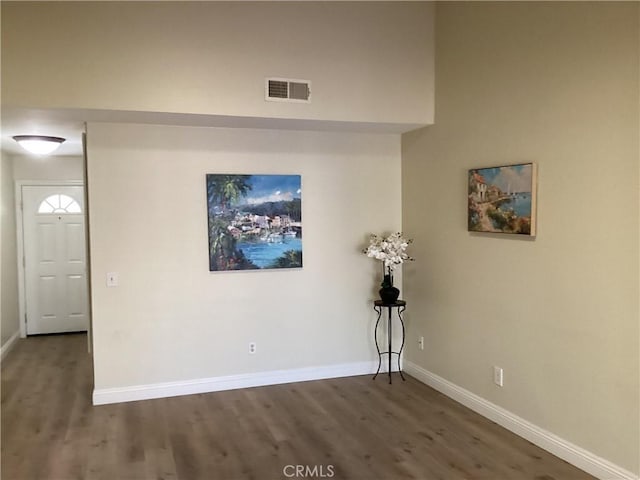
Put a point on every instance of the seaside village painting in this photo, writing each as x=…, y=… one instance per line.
x=502, y=199
x=255, y=222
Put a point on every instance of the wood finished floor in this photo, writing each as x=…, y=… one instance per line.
x=348, y=428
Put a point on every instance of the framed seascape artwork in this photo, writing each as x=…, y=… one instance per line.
x=503, y=199
x=255, y=222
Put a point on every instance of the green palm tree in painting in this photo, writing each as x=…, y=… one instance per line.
x=224, y=191
x=289, y=259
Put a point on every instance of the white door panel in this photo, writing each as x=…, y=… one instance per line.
x=55, y=259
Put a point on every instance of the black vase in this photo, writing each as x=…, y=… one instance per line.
x=389, y=294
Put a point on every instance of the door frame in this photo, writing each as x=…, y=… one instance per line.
x=22, y=307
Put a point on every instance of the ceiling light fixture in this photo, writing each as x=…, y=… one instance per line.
x=38, y=144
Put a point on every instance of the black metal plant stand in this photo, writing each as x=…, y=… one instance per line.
x=400, y=306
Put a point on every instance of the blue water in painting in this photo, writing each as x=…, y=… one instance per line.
x=264, y=253
x=521, y=204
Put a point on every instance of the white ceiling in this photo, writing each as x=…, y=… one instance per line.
x=70, y=124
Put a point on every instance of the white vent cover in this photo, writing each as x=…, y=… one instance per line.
x=287, y=90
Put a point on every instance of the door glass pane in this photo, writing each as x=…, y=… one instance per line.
x=59, y=204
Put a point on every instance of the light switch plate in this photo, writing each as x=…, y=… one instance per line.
x=112, y=279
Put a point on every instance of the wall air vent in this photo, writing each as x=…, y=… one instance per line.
x=287, y=90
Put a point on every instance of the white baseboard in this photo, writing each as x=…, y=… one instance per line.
x=215, y=384
x=581, y=458
x=8, y=345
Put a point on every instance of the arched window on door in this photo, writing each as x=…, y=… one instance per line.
x=59, y=203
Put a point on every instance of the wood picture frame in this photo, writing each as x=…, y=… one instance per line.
x=503, y=199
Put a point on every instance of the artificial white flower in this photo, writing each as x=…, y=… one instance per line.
x=390, y=250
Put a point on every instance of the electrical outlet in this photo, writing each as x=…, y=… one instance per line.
x=421, y=343
x=498, y=376
x=252, y=348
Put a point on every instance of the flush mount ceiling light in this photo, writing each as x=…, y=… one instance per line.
x=38, y=144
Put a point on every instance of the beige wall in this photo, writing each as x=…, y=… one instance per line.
x=213, y=57
x=171, y=320
x=9, y=274
x=556, y=84
x=47, y=168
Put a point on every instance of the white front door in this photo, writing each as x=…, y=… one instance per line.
x=56, y=286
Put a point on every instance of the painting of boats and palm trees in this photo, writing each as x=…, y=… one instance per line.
x=255, y=222
x=503, y=199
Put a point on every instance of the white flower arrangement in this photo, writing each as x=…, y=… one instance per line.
x=390, y=250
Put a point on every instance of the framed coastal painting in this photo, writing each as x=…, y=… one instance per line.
x=255, y=221
x=503, y=199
